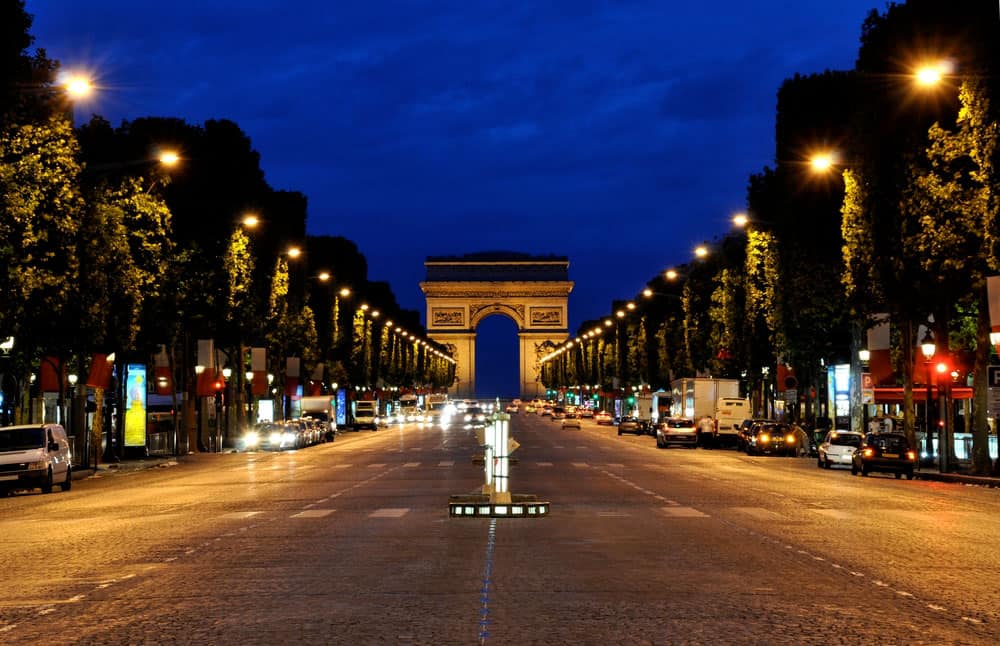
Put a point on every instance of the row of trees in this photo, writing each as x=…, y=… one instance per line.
x=907, y=227
x=107, y=250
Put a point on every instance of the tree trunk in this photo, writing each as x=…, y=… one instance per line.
x=907, y=350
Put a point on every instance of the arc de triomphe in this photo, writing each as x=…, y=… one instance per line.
x=533, y=291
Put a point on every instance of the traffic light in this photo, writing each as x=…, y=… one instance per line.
x=630, y=400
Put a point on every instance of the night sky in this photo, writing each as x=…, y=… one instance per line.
x=619, y=134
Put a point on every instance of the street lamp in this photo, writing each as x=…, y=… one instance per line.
x=928, y=348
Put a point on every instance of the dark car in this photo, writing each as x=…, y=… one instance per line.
x=771, y=438
x=885, y=452
x=743, y=432
x=630, y=425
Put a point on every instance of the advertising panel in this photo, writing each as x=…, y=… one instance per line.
x=135, y=411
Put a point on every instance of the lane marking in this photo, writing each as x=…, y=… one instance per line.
x=390, y=512
x=313, y=513
x=543, y=464
x=377, y=465
x=580, y=465
x=240, y=515
x=411, y=465
x=446, y=463
x=683, y=512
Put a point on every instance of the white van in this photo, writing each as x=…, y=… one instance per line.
x=35, y=455
x=366, y=414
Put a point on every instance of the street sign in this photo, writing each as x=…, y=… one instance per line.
x=993, y=376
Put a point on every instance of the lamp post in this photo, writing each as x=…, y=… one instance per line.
x=197, y=371
x=864, y=356
x=928, y=348
x=249, y=378
x=223, y=430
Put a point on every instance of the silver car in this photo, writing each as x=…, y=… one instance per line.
x=838, y=447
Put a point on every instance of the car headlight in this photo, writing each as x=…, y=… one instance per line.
x=764, y=437
x=251, y=439
x=288, y=437
x=789, y=439
x=468, y=418
x=274, y=438
x=37, y=466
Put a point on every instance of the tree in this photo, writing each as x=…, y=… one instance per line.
x=956, y=199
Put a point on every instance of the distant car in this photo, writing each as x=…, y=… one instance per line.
x=545, y=410
x=529, y=408
x=558, y=412
x=838, y=447
x=885, y=452
x=512, y=408
x=475, y=417
x=771, y=438
x=603, y=417
x=630, y=425
x=571, y=421
x=676, y=430
x=586, y=413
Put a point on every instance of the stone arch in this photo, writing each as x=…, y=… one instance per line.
x=478, y=312
x=533, y=291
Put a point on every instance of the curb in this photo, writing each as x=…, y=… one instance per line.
x=957, y=478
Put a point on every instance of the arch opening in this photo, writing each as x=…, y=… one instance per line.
x=497, y=356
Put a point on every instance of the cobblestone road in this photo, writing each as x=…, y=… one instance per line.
x=351, y=543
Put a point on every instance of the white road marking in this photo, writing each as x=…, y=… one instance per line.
x=582, y=465
x=411, y=465
x=240, y=514
x=377, y=465
x=446, y=463
x=838, y=514
x=615, y=465
x=389, y=512
x=683, y=512
x=934, y=606
x=46, y=611
x=313, y=513
x=543, y=464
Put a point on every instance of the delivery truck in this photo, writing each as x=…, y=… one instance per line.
x=714, y=405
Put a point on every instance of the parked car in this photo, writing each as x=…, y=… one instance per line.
x=603, y=417
x=586, y=413
x=35, y=455
x=676, y=430
x=838, y=447
x=773, y=438
x=631, y=425
x=571, y=421
x=885, y=452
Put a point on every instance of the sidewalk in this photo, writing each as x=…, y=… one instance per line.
x=127, y=466
x=959, y=478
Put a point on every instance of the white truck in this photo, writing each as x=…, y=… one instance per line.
x=324, y=409
x=408, y=409
x=714, y=404
x=366, y=414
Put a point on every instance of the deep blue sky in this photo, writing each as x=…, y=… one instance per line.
x=619, y=134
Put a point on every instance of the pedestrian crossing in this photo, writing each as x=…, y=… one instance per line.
x=672, y=510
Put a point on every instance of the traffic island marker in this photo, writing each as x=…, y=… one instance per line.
x=495, y=499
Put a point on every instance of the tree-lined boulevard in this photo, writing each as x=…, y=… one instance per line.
x=351, y=542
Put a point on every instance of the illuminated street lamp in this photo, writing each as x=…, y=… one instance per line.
x=928, y=348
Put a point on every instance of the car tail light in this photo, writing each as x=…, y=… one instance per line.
x=868, y=453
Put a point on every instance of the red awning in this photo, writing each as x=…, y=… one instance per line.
x=895, y=395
